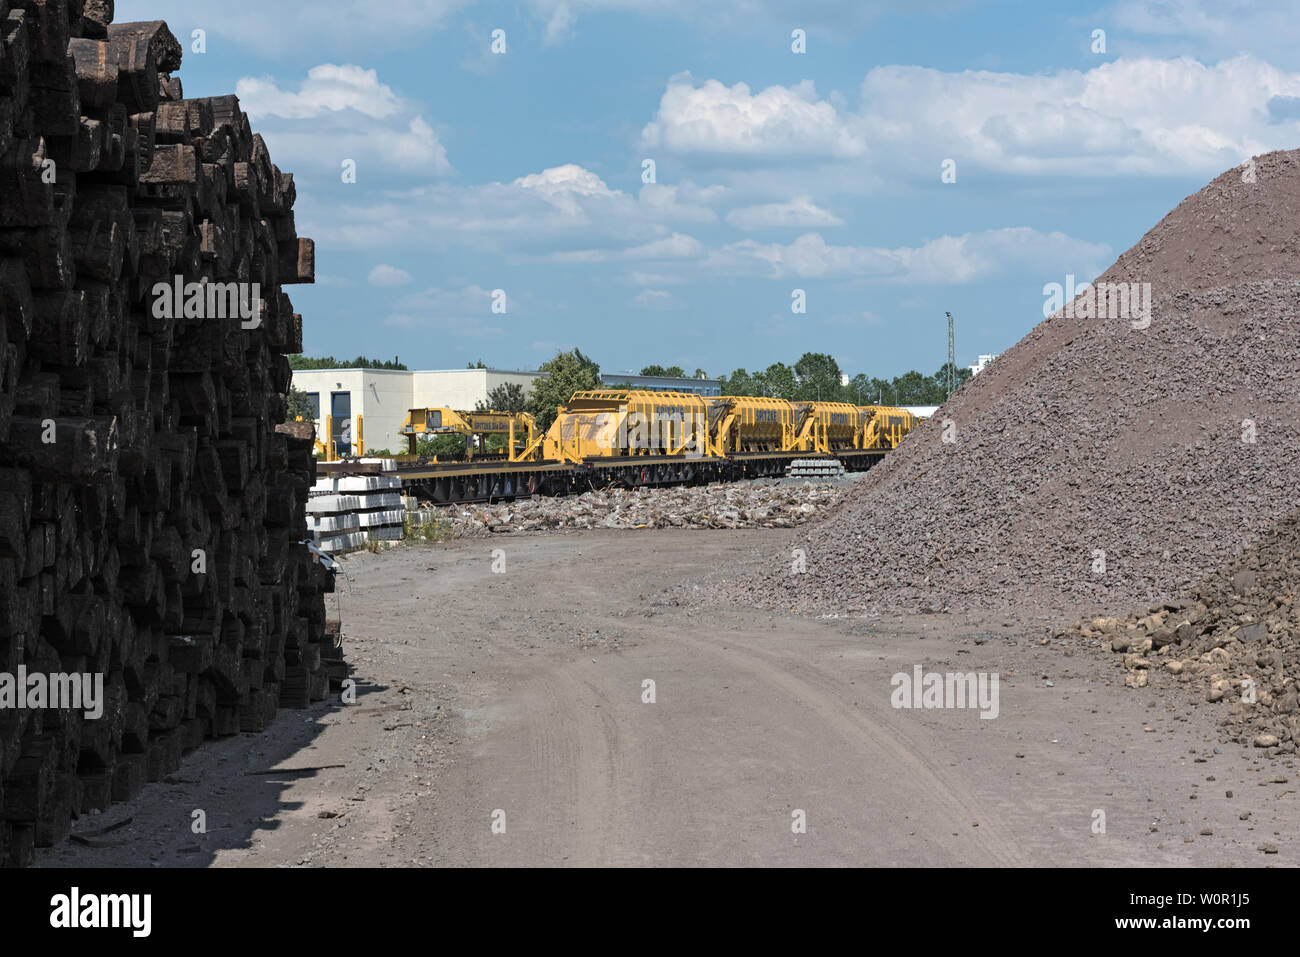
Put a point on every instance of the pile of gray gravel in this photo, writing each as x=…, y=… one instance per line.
x=1094, y=463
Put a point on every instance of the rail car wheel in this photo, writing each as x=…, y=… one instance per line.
x=532, y=484
x=645, y=475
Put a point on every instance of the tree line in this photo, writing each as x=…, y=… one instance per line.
x=815, y=376
x=299, y=361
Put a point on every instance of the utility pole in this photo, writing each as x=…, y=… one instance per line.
x=951, y=384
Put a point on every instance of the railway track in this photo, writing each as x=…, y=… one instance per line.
x=454, y=483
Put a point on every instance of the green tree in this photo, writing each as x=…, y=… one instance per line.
x=673, y=371
x=912, y=388
x=300, y=361
x=880, y=392
x=777, y=381
x=476, y=365
x=858, y=391
x=567, y=373
x=739, y=382
x=941, y=381
x=819, y=378
x=443, y=446
x=701, y=374
x=298, y=405
x=507, y=397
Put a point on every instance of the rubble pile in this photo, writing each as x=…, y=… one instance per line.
x=1233, y=642
x=776, y=504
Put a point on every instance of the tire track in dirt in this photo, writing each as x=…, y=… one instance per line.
x=931, y=788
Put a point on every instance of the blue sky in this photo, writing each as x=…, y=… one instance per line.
x=774, y=170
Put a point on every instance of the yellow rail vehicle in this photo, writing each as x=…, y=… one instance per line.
x=621, y=423
x=827, y=426
x=887, y=426
x=747, y=424
x=635, y=438
x=516, y=427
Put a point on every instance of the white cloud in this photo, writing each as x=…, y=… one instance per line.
x=683, y=202
x=342, y=112
x=947, y=259
x=1208, y=28
x=385, y=275
x=328, y=88
x=567, y=187
x=637, y=278
x=535, y=212
x=730, y=120
x=1134, y=116
x=676, y=246
x=1129, y=116
x=559, y=25
x=800, y=212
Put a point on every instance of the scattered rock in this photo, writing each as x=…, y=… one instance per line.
x=775, y=503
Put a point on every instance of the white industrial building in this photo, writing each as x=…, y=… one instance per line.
x=921, y=411
x=383, y=397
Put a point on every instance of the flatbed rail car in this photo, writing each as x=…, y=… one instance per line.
x=633, y=439
x=447, y=483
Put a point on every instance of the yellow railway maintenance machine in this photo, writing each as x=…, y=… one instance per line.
x=515, y=427
x=331, y=449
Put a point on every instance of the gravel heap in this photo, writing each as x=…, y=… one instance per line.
x=1095, y=463
x=1235, y=637
x=776, y=504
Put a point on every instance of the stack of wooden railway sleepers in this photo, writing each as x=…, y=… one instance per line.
x=151, y=505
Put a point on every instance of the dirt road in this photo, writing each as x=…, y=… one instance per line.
x=524, y=692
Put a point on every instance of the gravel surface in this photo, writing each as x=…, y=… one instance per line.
x=1095, y=463
x=524, y=692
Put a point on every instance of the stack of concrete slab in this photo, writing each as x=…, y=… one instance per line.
x=346, y=511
